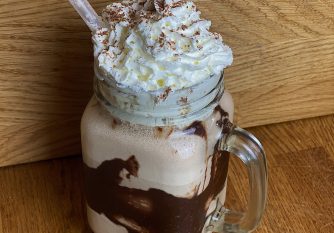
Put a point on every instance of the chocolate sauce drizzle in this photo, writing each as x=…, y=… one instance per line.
x=151, y=211
x=224, y=122
x=196, y=128
x=154, y=210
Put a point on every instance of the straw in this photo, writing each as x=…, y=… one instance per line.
x=87, y=13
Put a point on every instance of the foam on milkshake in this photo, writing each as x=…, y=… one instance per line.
x=151, y=45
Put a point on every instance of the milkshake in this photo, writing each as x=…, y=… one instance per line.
x=152, y=134
x=162, y=179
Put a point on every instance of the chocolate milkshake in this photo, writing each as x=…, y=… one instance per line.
x=153, y=179
x=152, y=134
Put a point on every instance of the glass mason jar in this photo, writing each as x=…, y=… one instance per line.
x=156, y=162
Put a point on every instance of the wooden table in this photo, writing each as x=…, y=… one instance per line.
x=47, y=196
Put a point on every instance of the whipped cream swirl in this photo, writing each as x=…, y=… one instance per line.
x=157, y=44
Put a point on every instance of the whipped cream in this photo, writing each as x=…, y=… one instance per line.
x=157, y=44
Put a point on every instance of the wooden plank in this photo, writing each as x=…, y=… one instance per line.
x=285, y=81
x=283, y=67
x=34, y=141
x=283, y=57
x=47, y=196
x=43, y=197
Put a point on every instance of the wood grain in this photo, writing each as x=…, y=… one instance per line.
x=283, y=57
x=47, y=197
x=283, y=68
x=42, y=198
x=301, y=176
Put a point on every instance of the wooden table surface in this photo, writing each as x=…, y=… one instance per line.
x=47, y=196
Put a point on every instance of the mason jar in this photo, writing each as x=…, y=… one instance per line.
x=157, y=162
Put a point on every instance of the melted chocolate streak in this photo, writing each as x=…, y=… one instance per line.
x=196, y=128
x=223, y=122
x=152, y=211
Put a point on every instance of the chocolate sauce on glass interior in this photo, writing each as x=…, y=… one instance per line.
x=154, y=210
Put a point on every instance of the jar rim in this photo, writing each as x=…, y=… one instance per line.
x=159, y=108
x=112, y=82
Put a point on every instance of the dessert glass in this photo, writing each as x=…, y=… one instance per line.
x=156, y=162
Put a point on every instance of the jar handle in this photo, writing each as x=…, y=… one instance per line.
x=246, y=147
